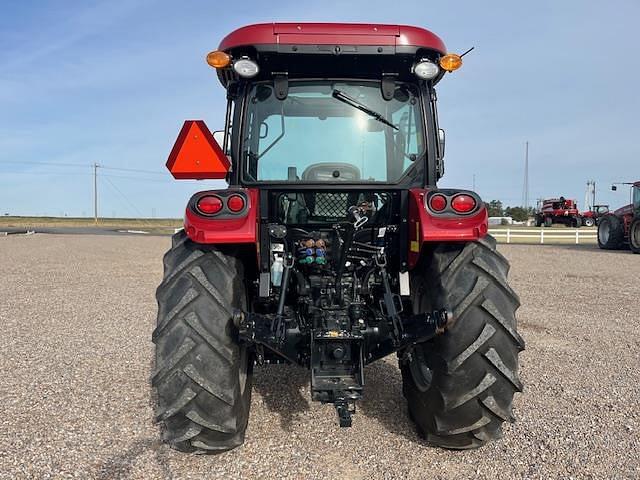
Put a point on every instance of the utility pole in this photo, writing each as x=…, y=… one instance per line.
x=590, y=196
x=95, y=193
x=525, y=186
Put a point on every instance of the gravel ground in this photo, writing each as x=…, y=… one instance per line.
x=77, y=312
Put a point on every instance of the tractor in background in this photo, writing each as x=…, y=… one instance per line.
x=592, y=216
x=621, y=228
x=558, y=210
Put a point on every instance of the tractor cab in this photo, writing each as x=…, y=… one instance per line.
x=634, y=197
x=600, y=209
x=330, y=103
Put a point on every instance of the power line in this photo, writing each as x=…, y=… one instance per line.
x=137, y=179
x=133, y=170
x=126, y=199
x=155, y=180
x=66, y=165
x=52, y=164
x=94, y=173
x=45, y=173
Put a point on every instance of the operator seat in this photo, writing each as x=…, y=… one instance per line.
x=323, y=205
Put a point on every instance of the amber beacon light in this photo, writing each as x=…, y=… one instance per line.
x=218, y=59
x=451, y=62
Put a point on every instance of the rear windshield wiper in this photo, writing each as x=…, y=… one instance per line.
x=343, y=97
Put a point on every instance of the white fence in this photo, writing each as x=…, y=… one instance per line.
x=545, y=235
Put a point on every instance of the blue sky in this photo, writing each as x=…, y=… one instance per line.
x=111, y=82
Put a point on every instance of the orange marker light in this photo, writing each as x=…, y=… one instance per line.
x=218, y=59
x=451, y=62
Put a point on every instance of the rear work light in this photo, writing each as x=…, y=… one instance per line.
x=209, y=205
x=246, y=67
x=463, y=203
x=235, y=203
x=426, y=70
x=437, y=203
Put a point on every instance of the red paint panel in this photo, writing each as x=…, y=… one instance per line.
x=196, y=154
x=424, y=227
x=332, y=33
x=211, y=230
x=626, y=210
x=340, y=28
x=416, y=36
x=338, y=39
x=258, y=34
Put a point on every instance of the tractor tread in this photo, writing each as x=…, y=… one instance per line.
x=616, y=232
x=193, y=373
x=484, y=420
x=491, y=308
x=494, y=358
x=175, y=271
x=163, y=323
x=171, y=362
x=471, y=299
x=200, y=397
x=193, y=320
x=485, y=335
x=199, y=419
x=197, y=273
x=471, y=370
x=185, y=397
x=490, y=403
x=633, y=236
x=453, y=402
x=497, y=277
x=187, y=433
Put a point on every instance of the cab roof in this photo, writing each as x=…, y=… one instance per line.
x=352, y=34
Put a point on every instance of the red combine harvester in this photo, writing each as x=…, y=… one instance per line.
x=332, y=246
x=622, y=227
x=594, y=214
x=558, y=210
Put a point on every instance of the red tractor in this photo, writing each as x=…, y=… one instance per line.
x=558, y=210
x=332, y=246
x=592, y=216
x=622, y=227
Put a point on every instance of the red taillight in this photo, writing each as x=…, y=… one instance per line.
x=463, y=203
x=209, y=204
x=235, y=203
x=437, y=203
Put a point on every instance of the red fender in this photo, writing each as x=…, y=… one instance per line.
x=425, y=227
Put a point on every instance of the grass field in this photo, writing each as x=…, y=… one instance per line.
x=158, y=225
x=558, y=234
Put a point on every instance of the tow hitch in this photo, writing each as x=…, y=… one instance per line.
x=337, y=357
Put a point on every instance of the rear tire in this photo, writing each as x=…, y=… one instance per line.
x=203, y=376
x=577, y=222
x=610, y=233
x=634, y=236
x=548, y=222
x=460, y=385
